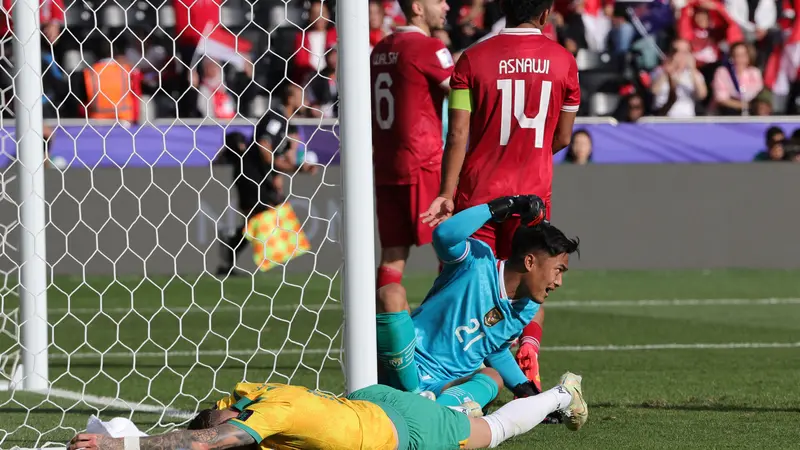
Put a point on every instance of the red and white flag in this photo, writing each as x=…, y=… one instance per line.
x=222, y=45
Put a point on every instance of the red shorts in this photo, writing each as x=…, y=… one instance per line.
x=399, y=207
x=499, y=236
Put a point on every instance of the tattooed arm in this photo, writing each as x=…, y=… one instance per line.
x=220, y=437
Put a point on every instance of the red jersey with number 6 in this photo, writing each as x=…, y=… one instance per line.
x=408, y=69
x=520, y=81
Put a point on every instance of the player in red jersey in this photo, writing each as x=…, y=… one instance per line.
x=514, y=99
x=410, y=78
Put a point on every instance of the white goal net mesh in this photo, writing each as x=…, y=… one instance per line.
x=147, y=319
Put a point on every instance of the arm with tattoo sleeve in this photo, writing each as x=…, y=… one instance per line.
x=220, y=437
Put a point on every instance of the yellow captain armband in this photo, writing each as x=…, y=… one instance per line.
x=461, y=99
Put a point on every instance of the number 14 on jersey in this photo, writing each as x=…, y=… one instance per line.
x=513, y=104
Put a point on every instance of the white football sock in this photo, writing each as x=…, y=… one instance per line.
x=521, y=415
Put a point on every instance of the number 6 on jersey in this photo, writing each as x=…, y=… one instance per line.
x=518, y=101
x=382, y=84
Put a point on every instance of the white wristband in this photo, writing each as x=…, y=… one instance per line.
x=132, y=443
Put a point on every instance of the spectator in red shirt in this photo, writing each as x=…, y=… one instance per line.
x=394, y=16
x=583, y=23
x=192, y=19
x=312, y=42
x=705, y=25
x=378, y=28
x=51, y=16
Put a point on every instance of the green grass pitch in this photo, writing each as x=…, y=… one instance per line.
x=195, y=337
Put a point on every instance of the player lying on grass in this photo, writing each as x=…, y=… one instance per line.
x=376, y=417
x=477, y=306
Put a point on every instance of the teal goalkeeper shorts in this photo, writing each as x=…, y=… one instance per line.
x=420, y=422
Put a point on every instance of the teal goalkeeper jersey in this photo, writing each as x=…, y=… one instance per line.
x=467, y=314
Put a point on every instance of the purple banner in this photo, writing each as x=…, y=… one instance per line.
x=162, y=146
x=190, y=145
x=678, y=142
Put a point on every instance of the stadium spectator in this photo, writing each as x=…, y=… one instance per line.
x=149, y=54
x=758, y=20
x=55, y=82
x=707, y=26
x=762, y=104
x=783, y=65
x=689, y=85
x=323, y=93
x=595, y=20
x=378, y=27
x=112, y=88
x=311, y=44
x=655, y=17
x=51, y=16
x=755, y=17
x=444, y=36
x=214, y=101
x=465, y=20
x=393, y=14
x=736, y=83
x=775, y=139
x=192, y=19
x=631, y=108
x=579, y=151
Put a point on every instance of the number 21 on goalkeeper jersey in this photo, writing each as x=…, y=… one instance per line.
x=410, y=73
x=517, y=84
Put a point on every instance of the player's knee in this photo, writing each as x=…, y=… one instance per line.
x=392, y=298
x=494, y=375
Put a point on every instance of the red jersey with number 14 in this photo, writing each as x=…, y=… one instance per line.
x=408, y=68
x=520, y=81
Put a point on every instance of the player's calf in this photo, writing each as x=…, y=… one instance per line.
x=396, y=339
x=481, y=388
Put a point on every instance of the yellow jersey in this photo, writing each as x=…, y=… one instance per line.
x=279, y=416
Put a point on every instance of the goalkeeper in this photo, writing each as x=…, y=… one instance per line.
x=475, y=308
x=377, y=417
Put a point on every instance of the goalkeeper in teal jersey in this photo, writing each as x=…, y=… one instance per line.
x=477, y=306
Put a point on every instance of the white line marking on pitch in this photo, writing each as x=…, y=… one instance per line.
x=335, y=351
x=568, y=304
x=116, y=403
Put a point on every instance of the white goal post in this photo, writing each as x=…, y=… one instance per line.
x=109, y=303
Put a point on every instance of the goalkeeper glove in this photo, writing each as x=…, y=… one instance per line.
x=530, y=208
x=527, y=389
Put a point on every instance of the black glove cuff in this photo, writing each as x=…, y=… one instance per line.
x=501, y=208
x=527, y=389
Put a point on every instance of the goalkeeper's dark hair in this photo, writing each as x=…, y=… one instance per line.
x=544, y=237
x=518, y=12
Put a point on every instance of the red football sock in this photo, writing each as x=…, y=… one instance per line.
x=532, y=334
x=388, y=275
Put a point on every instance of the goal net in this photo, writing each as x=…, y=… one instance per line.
x=143, y=315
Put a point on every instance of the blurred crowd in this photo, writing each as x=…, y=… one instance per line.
x=779, y=146
x=130, y=60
